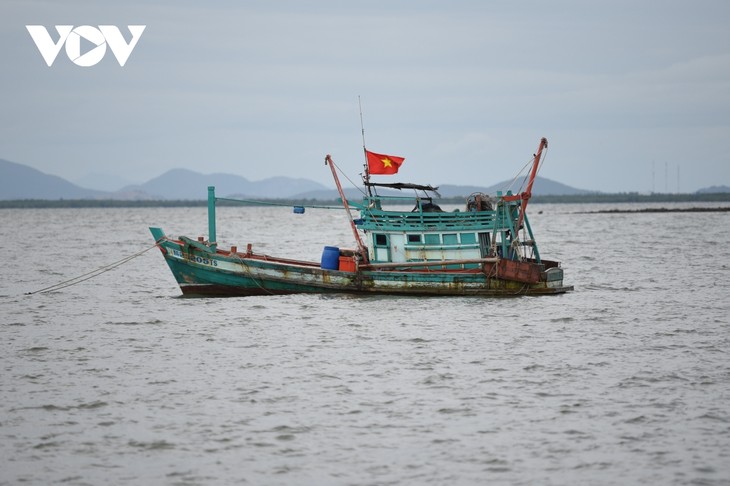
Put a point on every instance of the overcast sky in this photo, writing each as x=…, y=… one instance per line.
x=629, y=93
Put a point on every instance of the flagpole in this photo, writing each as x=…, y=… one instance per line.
x=364, y=150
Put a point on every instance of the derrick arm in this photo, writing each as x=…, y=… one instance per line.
x=360, y=246
x=527, y=193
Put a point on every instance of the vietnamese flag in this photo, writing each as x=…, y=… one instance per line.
x=383, y=164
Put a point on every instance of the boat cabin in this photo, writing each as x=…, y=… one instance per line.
x=428, y=233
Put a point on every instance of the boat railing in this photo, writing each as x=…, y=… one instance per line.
x=404, y=220
x=400, y=220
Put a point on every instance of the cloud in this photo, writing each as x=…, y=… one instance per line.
x=467, y=86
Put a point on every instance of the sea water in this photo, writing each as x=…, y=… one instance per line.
x=119, y=380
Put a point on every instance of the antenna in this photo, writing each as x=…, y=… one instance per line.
x=366, y=178
x=362, y=126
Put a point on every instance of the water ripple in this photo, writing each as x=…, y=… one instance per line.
x=119, y=380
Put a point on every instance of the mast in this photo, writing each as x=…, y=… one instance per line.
x=360, y=246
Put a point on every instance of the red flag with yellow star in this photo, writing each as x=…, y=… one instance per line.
x=383, y=164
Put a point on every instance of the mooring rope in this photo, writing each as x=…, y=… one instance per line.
x=91, y=274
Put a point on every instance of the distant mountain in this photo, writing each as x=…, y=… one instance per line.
x=330, y=194
x=22, y=182
x=714, y=189
x=541, y=187
x=19, y=181
x=279, y=187
x=187, y=184
x=102, y=182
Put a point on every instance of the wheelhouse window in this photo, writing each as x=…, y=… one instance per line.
x=468, y=238
x=414, y=238
x=450, y=239
x=433, y=239
x=381, y=239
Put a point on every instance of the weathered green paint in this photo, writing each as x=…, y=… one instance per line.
x=205, y=273
x=157, y=233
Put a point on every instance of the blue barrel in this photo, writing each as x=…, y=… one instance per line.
x=331, y=258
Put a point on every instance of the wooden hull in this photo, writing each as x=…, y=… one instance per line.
x=208, y=273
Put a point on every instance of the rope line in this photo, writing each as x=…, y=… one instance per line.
x=510, y=186
x=267, y=203
x=89, y=275
x=244, y=265
x=350, y=181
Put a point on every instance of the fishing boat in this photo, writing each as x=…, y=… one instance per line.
x=485, y=249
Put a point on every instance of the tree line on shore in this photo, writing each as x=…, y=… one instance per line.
x=629, y=197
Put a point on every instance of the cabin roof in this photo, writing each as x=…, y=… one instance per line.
x=404, y=185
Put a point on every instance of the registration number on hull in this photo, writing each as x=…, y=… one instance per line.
x=194, y=258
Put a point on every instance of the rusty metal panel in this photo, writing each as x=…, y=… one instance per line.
x=518, y=271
